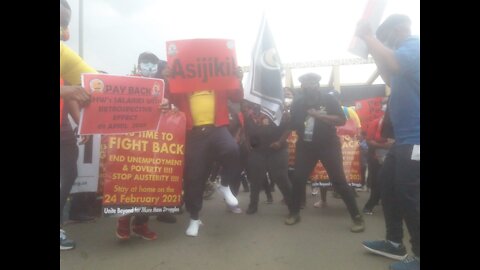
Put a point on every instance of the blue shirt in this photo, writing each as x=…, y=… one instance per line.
x=404, y=103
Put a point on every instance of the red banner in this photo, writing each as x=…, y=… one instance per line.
x=121, y=104
x=143, y=171
x=368, y=109
x=351, y=164
x=202, y=64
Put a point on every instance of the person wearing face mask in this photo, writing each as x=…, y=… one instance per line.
x=148, y=66
x=397, y=56
x=314, y=116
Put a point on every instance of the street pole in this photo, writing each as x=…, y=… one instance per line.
x=80, y=28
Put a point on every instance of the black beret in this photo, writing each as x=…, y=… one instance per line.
x=389, y=24
x=310, y=77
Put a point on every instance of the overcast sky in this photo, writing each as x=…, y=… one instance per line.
x=117, y=31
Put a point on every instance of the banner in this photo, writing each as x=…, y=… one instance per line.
x=202, y=64
x=143, y=172
x=264, y=81
x=351, y=164
x=121, y=104
x=373, y=14
x=368, y=110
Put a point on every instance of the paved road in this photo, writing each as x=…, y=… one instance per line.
x=227, y=241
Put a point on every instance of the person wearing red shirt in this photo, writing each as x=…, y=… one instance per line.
x=208, y=140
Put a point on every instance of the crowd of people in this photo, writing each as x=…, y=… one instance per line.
x=254, y=148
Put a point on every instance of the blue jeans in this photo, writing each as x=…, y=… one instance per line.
x=400, y=177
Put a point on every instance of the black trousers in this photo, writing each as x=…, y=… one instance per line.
x=203, y=147
x=373, y=180
x=82, y=204
x=276, y=164
x=306, y=156
x=400, y=177
x=68, y=171
x=240, y=179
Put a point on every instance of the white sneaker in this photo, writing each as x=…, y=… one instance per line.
x=227, y=194
x=192, y=229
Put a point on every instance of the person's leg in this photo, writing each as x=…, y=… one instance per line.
x=373, y=180
x=393, y=246
x=271, y=183
x=267, y=188
x=243, y=179
x=68, y=174
x=303, y=195
x=140, y=227
x=363, y=166
x=390, y=201
x=210, y=184
x=256, y=174
x=123, y=227
x=323, y=194
x=68, y=171
x=291, y=171
x=80, y=206
x=305, y=159
x=243, y=166
x=226, y=152
x=197, y=165
x=331, y=158
x=277, y=166
x=407, y=188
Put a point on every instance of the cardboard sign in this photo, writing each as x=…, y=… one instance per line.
x=202, y=64
x=143, y=172
x=373, y=14
x=121, y=104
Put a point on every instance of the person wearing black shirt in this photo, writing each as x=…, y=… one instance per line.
x=314, y=116
x=268, y=152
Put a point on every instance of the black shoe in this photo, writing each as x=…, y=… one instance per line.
x=251, y=210
x=167, y=218
x=269, y=200
x=81, y=218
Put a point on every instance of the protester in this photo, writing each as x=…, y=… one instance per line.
x=148, y=66
x=208, y=140
x=267, y=145
x=314, y=117
x=73, y=96
x=397, y=56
